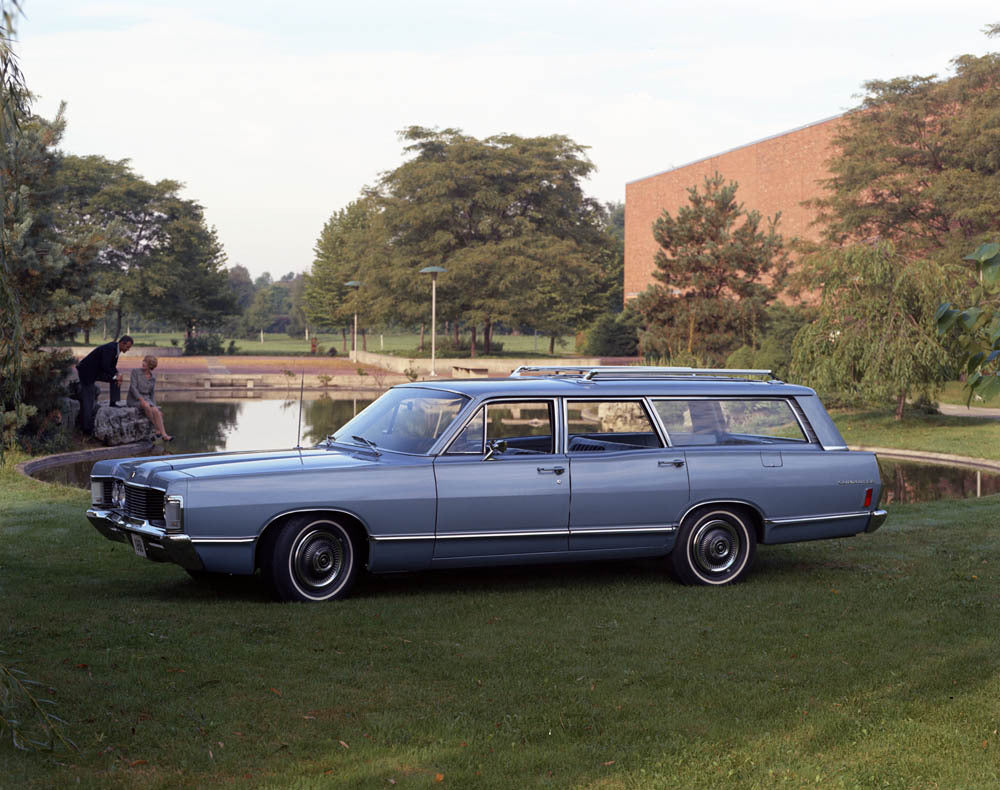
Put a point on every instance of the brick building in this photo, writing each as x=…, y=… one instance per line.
x=774, y=174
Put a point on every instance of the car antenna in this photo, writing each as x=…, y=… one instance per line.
x=302, y=387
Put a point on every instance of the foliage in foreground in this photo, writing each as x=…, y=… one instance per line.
x=24, y=716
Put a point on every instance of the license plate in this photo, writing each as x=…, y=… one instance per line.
x=138, y=545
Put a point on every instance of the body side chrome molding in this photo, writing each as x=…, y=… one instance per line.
x=829, y=517
x=638, y=529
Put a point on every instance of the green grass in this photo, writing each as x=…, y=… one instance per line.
x=395, y=343
x=868, y=662
x=955, y=392
x=976, y=437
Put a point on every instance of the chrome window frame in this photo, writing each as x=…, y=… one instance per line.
x=643, y=400
x=554, y=421
x=810, y=438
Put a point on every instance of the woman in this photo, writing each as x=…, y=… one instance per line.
x=141, y=385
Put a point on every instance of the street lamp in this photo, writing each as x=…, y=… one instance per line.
x=433, y=271
x=354, y=341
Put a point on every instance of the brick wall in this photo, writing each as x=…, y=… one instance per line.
x=776, y=174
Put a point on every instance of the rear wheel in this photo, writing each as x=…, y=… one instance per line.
x=312, y=559
x=715, y=545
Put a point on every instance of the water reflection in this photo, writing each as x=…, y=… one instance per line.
x=910, y=481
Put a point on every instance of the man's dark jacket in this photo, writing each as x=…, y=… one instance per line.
x=100, y=364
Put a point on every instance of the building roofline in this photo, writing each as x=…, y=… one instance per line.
x=737, y=148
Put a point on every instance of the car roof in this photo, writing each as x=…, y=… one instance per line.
x=578, y=386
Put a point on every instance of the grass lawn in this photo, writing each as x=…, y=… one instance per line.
x=866, y=662
x=977, y=437
x=395, y=343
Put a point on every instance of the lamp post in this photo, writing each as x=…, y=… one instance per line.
x=433, y=271
x=354, y=340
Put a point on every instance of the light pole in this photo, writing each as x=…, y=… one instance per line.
x=433, y=271
x=354, y=341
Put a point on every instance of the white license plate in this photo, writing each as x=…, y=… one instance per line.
x=138, y=545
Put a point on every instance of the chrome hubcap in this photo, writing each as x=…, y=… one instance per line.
x=716, y=546
x=317, y=559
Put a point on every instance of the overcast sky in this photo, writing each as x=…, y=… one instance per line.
x=275, y=115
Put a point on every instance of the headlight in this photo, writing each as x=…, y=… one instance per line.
x=96, y=492
x=118, y=494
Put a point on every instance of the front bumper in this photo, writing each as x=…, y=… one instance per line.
x=877, y=520
x=161, y=546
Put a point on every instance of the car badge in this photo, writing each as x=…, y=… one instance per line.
x=132, y=476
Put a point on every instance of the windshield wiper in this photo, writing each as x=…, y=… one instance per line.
x=367, y=442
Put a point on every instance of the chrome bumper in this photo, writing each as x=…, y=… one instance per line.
x=877, y=520
x=161, y=546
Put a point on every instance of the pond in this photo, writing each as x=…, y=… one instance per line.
x=215, y=423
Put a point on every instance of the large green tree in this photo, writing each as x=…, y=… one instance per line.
x=508, y=219
x=874, y=337
x=718, y=267
x=918, y=163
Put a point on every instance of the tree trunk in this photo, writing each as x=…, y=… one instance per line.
x=343, y=332
x=364, y=338
x=118, y=322
x=552, y=345
x=455, y=330
x=86, y=336
x=472, y=344
x=900, y=403
x=421, y=346
x=487, y=337
x=691, y=333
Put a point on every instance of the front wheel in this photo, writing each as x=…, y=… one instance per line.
x=715, y=545
x=312, y=559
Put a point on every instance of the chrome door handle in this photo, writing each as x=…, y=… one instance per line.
x=678, y=462
x=550, y=470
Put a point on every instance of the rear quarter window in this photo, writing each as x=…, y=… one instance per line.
x=729, y=421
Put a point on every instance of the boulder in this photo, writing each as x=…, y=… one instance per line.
x=121, y=425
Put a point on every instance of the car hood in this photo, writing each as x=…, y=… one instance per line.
x=157, y=470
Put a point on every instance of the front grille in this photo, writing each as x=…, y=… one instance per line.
x=106, y=486
x=143, y=503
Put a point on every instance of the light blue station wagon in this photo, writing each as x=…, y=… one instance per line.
x=549, y=465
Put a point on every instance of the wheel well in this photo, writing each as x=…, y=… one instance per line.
x=352, y=523
x=752, y=514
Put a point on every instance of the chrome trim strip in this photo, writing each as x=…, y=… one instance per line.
x=394, y=538
x=640, y=529
x=541, y=533
x=835, y=447
x=829, y=517
x=223, y=540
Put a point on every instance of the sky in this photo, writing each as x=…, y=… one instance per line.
x=276, y=115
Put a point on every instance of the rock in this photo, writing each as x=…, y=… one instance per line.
x=121, y=425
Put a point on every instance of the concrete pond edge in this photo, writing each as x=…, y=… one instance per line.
x=31, y=466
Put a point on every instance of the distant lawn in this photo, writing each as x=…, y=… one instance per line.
x=866, y=662
x=955, y=392
x=971, y=436
x=395, y=343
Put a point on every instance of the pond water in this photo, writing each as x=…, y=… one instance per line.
x=215, y=424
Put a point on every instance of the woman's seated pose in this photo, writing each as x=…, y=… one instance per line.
x=141, y=386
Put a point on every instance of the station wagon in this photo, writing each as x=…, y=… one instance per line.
x=551, y=464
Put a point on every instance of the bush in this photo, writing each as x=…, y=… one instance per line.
x=203, y=345
x=612, y=336
x=231, y=348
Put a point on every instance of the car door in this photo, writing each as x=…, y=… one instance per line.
x=761, y=451
x=629, y=489
x=502, y=487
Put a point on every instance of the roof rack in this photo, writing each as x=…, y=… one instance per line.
x=590, y=372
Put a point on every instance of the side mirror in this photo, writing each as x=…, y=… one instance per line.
x=493, y=448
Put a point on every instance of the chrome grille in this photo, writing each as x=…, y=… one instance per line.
x=143, y=503
x=106, y=487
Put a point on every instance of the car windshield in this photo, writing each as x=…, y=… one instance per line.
x=405, y=419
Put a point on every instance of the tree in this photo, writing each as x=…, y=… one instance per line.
x=917, y=163
x=717, y=271
x=874, y=338
x=976, y=329
x=502, y=215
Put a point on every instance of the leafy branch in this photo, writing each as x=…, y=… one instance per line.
x=24, y=715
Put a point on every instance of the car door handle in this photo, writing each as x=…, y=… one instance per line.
x=678, y=462
x=551, y=470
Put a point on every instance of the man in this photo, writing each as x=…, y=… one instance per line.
x=101, y=364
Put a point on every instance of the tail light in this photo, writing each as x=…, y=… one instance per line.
x=868, y=497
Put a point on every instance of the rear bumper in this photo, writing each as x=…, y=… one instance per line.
x=160, y=545
x=877, y=520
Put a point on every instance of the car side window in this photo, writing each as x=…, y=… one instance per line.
x=729, y=421
x=523, y=428
x=596, y=426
